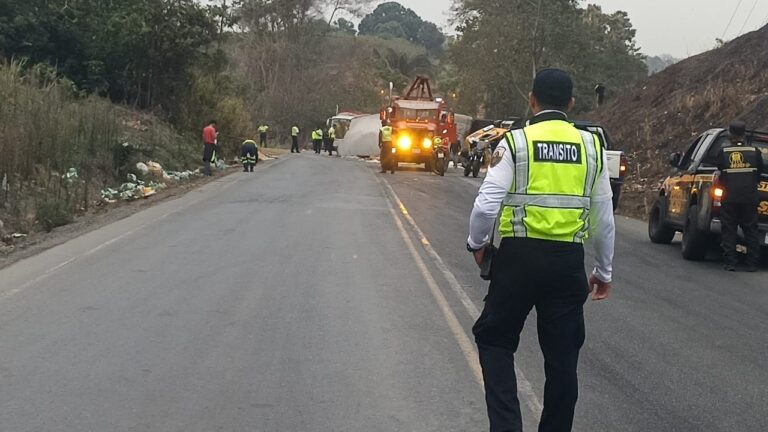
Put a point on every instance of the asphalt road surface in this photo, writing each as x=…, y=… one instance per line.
x=319, y=295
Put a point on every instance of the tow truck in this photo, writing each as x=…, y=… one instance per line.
x=417, y=119
x=690, y=200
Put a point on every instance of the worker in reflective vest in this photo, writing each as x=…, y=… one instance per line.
x=547, y=185
x=295, y=139
x=317, y=140
x=386, y=158
x=331, y=140
x=263, y=129
x=249, y=155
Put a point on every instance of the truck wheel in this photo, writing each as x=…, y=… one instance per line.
x=658, y=230
x=475, y=168
x=695, y=241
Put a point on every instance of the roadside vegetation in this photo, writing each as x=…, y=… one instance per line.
x=92, y=87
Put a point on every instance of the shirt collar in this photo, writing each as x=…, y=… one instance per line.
x=548, y=115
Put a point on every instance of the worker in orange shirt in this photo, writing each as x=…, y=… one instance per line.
x=210, y=141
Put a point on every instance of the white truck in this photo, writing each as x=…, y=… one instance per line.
x=616, y=160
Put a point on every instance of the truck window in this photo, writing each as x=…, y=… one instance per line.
x=710, y=158
x=763, y=147
x=685, y=161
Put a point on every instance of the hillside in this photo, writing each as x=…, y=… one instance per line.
x=663, y=113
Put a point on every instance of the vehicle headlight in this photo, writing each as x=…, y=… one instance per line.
x=404, y=142
x=427, y=143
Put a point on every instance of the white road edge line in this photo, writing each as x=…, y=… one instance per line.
x=465, y=344
x=524, y=387
x=6, y=294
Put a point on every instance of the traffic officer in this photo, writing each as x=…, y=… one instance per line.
x=249, y=155
x=317, y=140
x=263, y=129
x=740, y=168
x=295, y=139
x=385, y=144
x=331, y=139
x=548, y=184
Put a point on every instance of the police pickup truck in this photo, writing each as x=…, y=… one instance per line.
x=616, y=162
x=689, y=200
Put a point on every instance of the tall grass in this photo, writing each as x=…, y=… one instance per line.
x=47, y=127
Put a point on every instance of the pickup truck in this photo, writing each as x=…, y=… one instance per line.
x=689, y=199
x=616, y=160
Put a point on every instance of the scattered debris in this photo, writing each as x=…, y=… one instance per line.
x=143, y=168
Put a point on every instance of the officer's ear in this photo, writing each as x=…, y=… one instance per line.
x=571, y=104
x=532, y=102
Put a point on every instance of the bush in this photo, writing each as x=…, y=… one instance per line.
x=53, y=212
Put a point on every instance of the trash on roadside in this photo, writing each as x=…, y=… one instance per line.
x=143, y=168
x=18, y=235
x=70, y=175
x=155, y=168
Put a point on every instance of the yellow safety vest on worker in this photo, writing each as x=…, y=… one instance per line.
x=295, y=131
x=263, y=129
x=332, y=132
x=386, y=134
x=556, y=168
x=315, y=135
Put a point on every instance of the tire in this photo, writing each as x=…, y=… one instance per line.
x=475, y=168
x=695, y=241
x=658, y=230
x=439, y=166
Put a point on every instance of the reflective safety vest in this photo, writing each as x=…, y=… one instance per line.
x=332, y=133
x=438, y=141
x=263, y=129
x=386, y=134
x=556, y=169
x=315, y=135
x=294, y=131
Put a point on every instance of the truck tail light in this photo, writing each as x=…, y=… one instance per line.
x=623, y=166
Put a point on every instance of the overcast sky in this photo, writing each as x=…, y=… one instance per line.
x=678, y=27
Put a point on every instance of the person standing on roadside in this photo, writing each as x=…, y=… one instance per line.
x=740, y=168
x=210, y=141
x=548, y=183
x=317, y=140
x=295, y=139
x=331, y=139
x=386, y=159
x=263, y=129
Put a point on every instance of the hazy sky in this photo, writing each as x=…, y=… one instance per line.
x=677, y=27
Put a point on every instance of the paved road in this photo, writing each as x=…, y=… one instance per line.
x=297, y=299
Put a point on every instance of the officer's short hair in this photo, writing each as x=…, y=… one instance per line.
x=737, y=129
x=553, y=88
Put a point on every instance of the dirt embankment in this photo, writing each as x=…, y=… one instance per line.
x=665, y=112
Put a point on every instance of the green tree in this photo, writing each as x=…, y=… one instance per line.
x=346, y=26
x=393, y=20
x=499, y=49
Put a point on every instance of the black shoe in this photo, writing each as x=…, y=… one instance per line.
x=729, y=267
x=391, y=172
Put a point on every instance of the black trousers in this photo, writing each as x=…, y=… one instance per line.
x=263, y=139
x=549, y=276
x=735, y=215
x=294, y=144
x=329, y=146
x=385, y=156
x=317, y=144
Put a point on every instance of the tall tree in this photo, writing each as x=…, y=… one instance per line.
x=393, y=20
x=501, y=46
